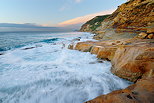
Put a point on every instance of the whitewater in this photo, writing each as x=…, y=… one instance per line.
x=39, y=68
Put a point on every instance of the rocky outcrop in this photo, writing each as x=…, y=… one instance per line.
x=84, y=46
x=134, y=61
x=141, y=92
x=104, y=52
x=127, y=21
x=131, y=59
x=127, y=40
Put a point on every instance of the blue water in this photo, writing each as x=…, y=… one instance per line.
x=37, y=67
x=11, y=40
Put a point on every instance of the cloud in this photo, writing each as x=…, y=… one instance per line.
x=83, y=19
x=78, y=1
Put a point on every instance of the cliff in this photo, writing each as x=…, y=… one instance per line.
x=129, y=19
x=93, y=24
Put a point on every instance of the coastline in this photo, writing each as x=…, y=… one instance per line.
x=126, y=39
x=131, y=59
x=53, y=71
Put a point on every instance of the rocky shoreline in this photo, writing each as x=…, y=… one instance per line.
x=132, y=59
x=126, y=38
x=140, y=92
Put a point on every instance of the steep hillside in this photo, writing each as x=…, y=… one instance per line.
x=129, y=19
x=93, y=24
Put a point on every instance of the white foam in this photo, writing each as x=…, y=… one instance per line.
x=52, y=74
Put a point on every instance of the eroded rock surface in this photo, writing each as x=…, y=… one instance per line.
x=140, y=92
x=134, y=61
x=131, y=58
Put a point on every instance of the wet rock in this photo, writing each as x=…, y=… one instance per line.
x=150, y=36
x=100, y=61
x=71, y=46
x=141, y=92
x=142, y=35
x=1, y=53
x=129, y=61
x=84, y=46
x=77, y=39
x=132, y=59
x=28, y=48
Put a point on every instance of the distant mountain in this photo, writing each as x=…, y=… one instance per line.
x=30, y=27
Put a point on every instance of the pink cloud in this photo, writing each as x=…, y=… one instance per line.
x=83, y=19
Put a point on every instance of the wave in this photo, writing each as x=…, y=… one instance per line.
x=18, y=45
x=50, y=40
x=46, y=73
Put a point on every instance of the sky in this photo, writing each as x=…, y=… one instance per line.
x=57, y=13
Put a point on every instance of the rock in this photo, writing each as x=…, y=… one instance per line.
x=71, y=46
x=106, y=52
x=95, y=49
x=150, y=30
x=84, y=46
x=100, y=61
x=141, y=92
x=135, y=61
x=142, y=35
x=150, y=36
x=131, y=58
x=77, y=39
x=28, y=48
x=1, y=53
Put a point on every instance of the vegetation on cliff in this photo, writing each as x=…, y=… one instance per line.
x=130, y=18
x=93, y=24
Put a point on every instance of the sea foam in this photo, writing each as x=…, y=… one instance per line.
x=51, y=73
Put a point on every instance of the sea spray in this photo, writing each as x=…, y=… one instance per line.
x=51, y=73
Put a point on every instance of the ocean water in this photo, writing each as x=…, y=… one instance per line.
x=37, y=67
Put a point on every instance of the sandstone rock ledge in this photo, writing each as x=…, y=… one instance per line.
x=132, y=59
x=141, y=92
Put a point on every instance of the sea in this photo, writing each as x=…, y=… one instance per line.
x=38, y=67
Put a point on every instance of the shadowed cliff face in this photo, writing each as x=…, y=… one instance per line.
x=129, y=19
